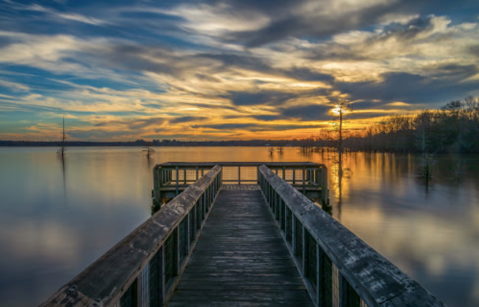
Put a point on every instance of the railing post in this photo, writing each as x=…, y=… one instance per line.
x=293, y=234
x=139, y=290
x=205, y=204
x=239, y=174
x=319, y=275
x=178, y=251
x=343, y=290
x=197, y=173
x=184, y=176
x=156, y=185
x=280, y=220
x=177, y=179
x=324, y=184
x=284, y=173
x=294, y=175
x=303, y=262
x=188, y=241
x=304, y=182
x=162, y=275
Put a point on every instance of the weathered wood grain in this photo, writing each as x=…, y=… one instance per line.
x=240, y=258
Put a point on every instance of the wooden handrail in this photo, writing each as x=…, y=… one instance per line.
x=105, y=281
x=377, y=281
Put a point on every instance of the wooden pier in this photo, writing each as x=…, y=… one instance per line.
x=241, y=235
x=240, y=259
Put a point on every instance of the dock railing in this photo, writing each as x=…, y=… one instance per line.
x=171, y=178
x=144, y=268
x=337, y=267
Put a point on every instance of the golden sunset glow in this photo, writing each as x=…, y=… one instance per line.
x=201, y=72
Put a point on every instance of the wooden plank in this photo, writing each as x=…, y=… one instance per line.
x=240, y=258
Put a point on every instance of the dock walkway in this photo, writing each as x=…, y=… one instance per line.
x=240, y=258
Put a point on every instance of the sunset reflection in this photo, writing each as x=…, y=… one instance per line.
x=432, y=237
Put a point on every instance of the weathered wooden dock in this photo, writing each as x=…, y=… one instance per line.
x=241, y=259
x=241, y=234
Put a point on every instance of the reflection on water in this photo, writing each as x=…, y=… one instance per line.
x=57, y=217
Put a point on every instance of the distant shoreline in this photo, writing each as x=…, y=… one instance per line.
x=142, y=143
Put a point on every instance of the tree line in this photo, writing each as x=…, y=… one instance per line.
x=452, y=128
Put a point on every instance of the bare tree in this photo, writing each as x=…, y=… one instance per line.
x=148, y=150
x=341, y=108
x=62, y=149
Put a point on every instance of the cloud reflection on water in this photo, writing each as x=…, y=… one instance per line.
x=48, y=237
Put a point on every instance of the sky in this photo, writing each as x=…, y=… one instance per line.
x=233, y=69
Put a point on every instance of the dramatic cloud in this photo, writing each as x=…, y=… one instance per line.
x=227, y=69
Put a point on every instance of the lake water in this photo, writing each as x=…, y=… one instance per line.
x=56, y=219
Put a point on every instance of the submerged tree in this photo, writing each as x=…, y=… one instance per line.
x=270, y=150
x=341, y=108
x=62, y=149
x=148, y=150
x=426, y=162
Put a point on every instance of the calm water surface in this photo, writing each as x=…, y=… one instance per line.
x=55, y=218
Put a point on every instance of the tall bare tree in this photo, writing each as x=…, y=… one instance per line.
x=341, y=108
x=62, y=149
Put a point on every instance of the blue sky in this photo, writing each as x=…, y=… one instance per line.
x=236, y=69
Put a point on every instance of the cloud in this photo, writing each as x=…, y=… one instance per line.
x=256, y=127
x=186, y=119
x=232, y=68
x=308, y=113
x=309, y=18
x=63, y=15
x=260, y=98
x=415, y=89
x=474, y=50
x=14, y=86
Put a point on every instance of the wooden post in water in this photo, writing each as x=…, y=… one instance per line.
x=177, y=180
